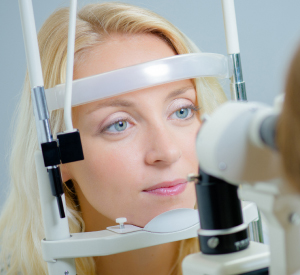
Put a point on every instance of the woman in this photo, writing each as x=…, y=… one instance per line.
x=138, y=147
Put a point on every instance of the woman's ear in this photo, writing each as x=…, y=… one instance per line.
x=65, y=172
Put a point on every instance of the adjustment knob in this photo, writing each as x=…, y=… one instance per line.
x=121, y=221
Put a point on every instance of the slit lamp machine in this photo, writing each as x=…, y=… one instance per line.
x=236, y=152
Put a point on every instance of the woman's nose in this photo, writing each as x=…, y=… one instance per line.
x=162, y=148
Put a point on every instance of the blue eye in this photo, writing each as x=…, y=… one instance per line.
x=118, y=126
x=183, y=113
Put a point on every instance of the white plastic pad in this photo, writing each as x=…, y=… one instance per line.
x=152, y=73
x=180, y=219
x=173, y=221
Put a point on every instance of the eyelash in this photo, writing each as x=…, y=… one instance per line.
x=114, y=122
x=191, y=107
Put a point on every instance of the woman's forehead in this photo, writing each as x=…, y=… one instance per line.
x=162, y=93
x=120, y=51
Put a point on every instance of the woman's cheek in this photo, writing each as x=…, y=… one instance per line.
x=109, y=163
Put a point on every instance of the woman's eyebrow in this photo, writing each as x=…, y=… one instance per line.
x=125, y=103
x=178, y=92
x=111, y=103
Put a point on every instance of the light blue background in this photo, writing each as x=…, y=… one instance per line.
x=269, y=31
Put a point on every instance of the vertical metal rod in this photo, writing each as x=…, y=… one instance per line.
x=35, y=71
x=41, y=114
x=255, y=230
x=238, y=88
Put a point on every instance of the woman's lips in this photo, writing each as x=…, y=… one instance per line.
x=168, y=188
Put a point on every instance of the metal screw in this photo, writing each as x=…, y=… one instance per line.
x=192, y=177
x=294, y=218
x=213, y=242
x=121, y=221
x=222, y=165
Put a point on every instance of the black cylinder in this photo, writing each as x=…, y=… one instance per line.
x=57, y=188
x=218, y=203
x=55, y=181
x=221, y=220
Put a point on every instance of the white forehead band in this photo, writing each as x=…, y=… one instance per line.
x=152, y=73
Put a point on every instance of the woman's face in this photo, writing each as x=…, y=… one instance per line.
x=138, y=147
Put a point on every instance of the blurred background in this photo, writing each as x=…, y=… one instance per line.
x=269, y=31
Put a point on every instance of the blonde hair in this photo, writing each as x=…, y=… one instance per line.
x=21, y=228
x=289, y=125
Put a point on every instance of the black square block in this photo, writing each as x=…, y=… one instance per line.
x=70, y=147
x=51, y=153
